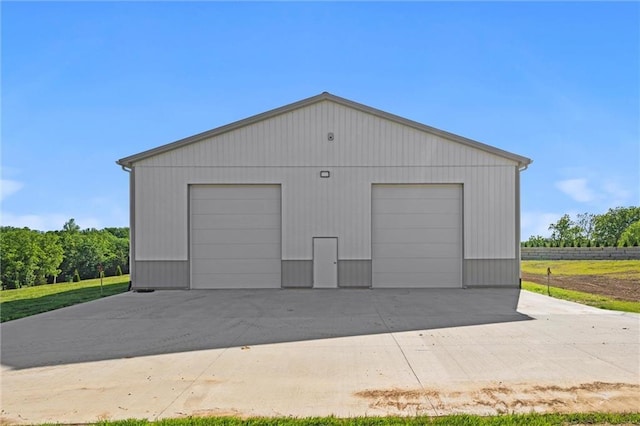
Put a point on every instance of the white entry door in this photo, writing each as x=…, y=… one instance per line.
x=325, y=262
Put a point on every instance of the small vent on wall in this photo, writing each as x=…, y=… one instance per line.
x=325, y=174
x=330, y=136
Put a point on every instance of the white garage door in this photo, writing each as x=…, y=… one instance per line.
x=417, y=235
x=235, y=236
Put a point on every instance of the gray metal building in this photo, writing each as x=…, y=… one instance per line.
x=325, y=192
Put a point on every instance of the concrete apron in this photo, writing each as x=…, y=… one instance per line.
x=549, y=356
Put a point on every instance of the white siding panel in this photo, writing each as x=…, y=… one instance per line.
x=339, y=206
x=161, y=229
x=299, y=138
x=490, y=211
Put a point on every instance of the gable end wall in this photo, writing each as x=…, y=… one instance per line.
x=291, y=149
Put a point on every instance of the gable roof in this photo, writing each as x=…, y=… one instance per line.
x=324, y=96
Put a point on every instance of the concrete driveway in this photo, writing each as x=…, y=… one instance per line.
x=315, y=352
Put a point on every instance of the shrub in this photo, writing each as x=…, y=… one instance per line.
x=11, y=285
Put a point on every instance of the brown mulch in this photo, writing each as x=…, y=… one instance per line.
x=616, y=288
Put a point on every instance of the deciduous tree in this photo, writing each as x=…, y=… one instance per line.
x=564, y=231
x=608, y=227
x=631, y=236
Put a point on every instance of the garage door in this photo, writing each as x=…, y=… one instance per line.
x=417, y=236
x=235, y=236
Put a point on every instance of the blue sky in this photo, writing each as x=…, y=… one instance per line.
x=87, y=83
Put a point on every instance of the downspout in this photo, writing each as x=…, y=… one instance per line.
x=521, y=168
x=129, y=170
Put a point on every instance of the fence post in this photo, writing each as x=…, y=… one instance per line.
x=548, y=279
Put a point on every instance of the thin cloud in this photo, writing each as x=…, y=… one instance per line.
x=9, y=187
x=601, y=193
x=615, y=194
x=577, y=189
x=537, y=223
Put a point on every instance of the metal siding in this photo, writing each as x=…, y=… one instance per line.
x=161, y=274
x=417, y=253
x=492, y=273
x=489, y=217
x=291, y=149
x=354, y=273
x=161, y=214
x=235, y=236
x=297, y=273
x=299, y=138
x=314, y=206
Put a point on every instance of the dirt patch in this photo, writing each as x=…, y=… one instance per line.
x=498, y=399
x=398, y=399
x=217, y=412
x=616, y=287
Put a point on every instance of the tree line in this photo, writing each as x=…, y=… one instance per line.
x=31, y=257
x=619, y=227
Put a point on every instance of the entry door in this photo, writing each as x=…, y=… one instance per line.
x=325, y=262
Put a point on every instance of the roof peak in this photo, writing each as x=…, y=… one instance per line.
x=128, y=161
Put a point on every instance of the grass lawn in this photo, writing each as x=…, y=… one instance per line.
x=606, y=284
x=629, y=269
x=455, y=420
x=23, y=302
x=596, y=300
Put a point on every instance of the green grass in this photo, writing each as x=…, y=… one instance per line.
x=595, y=300
x=27, y=301
x=629, y=269
x=619, y=269
x=454, y=420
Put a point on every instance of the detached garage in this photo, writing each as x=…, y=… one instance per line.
x=324, y=193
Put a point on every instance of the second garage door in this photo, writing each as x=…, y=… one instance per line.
x=417, y=235
x=235, y=236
